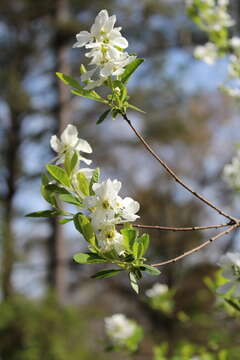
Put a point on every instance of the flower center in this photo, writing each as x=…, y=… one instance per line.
x=110, y=235
x=105, y=204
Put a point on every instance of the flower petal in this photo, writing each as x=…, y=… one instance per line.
x=55, y=143
x=70, y=135
x=120, y=41
x=83, y=146
x=109, y=25
x=82, y=38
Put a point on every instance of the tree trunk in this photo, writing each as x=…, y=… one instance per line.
x=8, y=246
x=57, y=271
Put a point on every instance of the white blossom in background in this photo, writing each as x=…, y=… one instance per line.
x=207, y=53
x=119, y=328
x=230, y=264
x=233, y=92
x=235, y=42
x=156, y=290
x=231, y=172
x=106, y=49
x=69, y=141
x=234, y=66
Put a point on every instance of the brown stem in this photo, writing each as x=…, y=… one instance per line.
x=189, y=252
x=174, y=176
x=171, y=228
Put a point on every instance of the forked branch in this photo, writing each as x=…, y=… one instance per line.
x=199, y=247
x=174, y=176
x=233, y=224
x=172, y=228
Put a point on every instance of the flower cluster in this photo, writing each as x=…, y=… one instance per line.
x=105, y=207
x=230, y=264
x=231, y=172
x=157, y=290
x=122, y=332
x=106, y=48
x=103, y=217
x=119, y=328
x=207, y=53
x=212, y=16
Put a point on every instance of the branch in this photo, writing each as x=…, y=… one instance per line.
x=174, y=176
x=209, y=241
x=171, y=228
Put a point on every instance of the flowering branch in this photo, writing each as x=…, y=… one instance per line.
x=174, y=176
x=209, y=241
x=100, y=210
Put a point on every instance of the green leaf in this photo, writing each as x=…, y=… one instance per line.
x=92, y=95
x=133, y=282
x=48, y=196
x=83, y=183
x=70, y=199
x=130, y=69
x=84, y=226
x=150, y=269
x=135, y=108
x=137, y=249
x=145, y=240
x=70, y=161
x=45, y=179
x=115, y=113
x=88, y=258
x=95, y=179
x=74, y=161
x=65, y=221
x=82, y=69
x=52, y=188
x=234, y=303
x=103, y=116
x=45, y=213
x=79, y=90
x=129, y=236
x=69, y=81
x=106, y=273
x=59, y=174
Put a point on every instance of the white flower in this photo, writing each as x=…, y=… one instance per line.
x=207, y=53
x=106, y=50
x=230, y=264
x=119, y=328
x=233, y=92
x=102, y=32
x=223, y=2
x=234, y=67
x=231, y=172
x=156, y=290
x=107, y=207
x=110, y=239
x=69, y=141
x=128, y=209
x=235, y=42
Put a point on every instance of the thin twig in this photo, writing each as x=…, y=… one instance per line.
x=171, y=228
x=174, y=176
x=209, y=241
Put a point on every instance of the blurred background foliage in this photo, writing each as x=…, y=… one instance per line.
x=187, y=120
